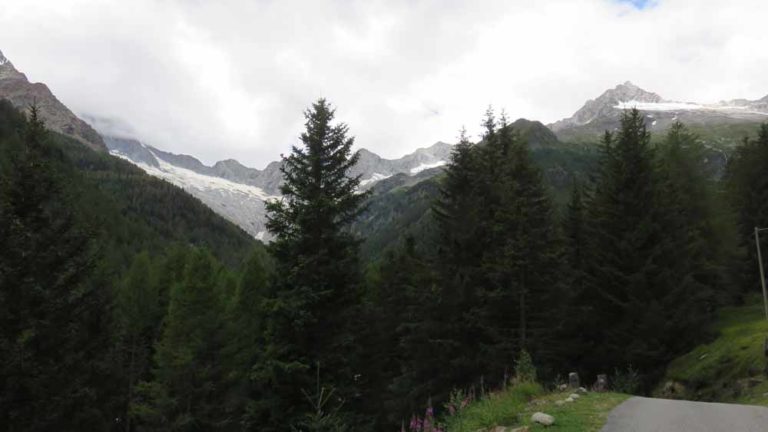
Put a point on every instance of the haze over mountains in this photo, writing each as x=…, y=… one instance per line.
x=238, y=192
x=15, y=87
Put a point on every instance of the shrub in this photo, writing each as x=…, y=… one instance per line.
x=525, y=371
x=625, y=381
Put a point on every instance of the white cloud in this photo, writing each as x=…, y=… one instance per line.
x=222, y=79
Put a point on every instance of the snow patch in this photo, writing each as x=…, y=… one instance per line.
x=260, y=235
x=684, y=106
x=188, y=179
x=659, y=106
x=424, y=166
x=375, y=177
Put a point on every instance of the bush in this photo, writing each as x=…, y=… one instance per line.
x=625, y=381
x=525, y=371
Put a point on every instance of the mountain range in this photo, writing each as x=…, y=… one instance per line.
x=603, y=113
x=238, y=192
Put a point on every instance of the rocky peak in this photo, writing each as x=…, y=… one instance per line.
x=604, y=105
x=7, y=71
x=15, y=87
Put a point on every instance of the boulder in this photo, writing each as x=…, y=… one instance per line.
x=562, y=387
x=559, y=402
x=520, y=429
x=574, y=396
x=601, y=384
x=498, y=429
x=543, y=419
x=573, y=380
x=673, y=390
x=570, y=399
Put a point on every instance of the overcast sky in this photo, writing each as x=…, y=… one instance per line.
x=231, y=78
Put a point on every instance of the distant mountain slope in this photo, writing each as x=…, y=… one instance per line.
x=718, y=124
x=401, y=205
x=238, y=201
x=15, y=87
x=129, y=210
x=238, y=192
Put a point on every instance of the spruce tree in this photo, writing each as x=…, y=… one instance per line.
x=411, y=335
x=244, y=338
x=52, y=326
x=522, y=268
x=318, y=273
x=747, y=182
x=185, y=392
x=697, y=232
x=624, y=234
x=137, y=314
x=499, y=258
x=650, y=279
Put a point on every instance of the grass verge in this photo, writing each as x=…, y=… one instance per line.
x=728, y=369
x=514, y=407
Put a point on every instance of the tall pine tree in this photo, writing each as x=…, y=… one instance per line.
x=52, y=327
x=318, y=273
x=747, y=182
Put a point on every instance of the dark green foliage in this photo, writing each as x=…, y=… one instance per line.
x=499, y=255
x=650, y=280
x=525, y=371
x=403, y=336
x=114, y=316
x=137, y=317
x=185, y=391
x=319, y=277
x=245, y=338
x=51, y=318
x=747, y=181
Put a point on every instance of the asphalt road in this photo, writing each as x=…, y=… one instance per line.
x=639, y=414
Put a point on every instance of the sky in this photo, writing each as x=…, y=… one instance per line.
x=231, y=78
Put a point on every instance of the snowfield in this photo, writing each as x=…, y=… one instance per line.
x=423, y=167
x=187, y=179
x=685, y=106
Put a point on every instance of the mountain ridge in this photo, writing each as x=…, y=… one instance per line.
x=603, y=113
x=16, y=88
x=239, y=193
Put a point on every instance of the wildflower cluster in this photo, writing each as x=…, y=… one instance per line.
x=425, y=424
x=458, y=401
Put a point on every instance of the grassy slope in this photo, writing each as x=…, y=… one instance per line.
x=729, y=368
x=514, y=408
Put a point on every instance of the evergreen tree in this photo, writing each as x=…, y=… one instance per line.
x=408, y=347
x=747, y=182
x=244, y=338
x=576, y=239
x=186, y=392
x=521, y=258
x=499, y=258
x=650, y=279
x=625, y=237
x=52, y=336
x=318, y=274
x=460, y=241
x=137, y=315
x=696, y=230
